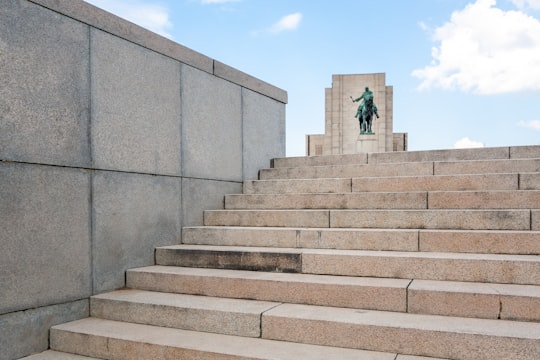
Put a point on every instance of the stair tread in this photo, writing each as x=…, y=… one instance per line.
x=158, y=341
x=488, y=327
x=56, y=355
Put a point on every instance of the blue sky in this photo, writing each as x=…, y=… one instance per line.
x=466, y=73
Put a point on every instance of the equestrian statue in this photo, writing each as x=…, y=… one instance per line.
x=365, y=111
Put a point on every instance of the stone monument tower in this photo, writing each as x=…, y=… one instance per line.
x=342, y=130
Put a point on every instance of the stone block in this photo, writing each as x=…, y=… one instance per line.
x=115, y=25
x=360, y=239
x=211, y=127
x=434, y=183
x=347, y=159
x=535, y=220
x=433, y=219
x=439, y=155
x=297, y=186
x=45, y=226
x=348, y=171
x=263, y=134
x=235, y=258
x=55, y=355
x=500, y=199
x=239, y=236
x=487, y=166
x=343, y=291
x=247, y=81
x=493, y=242
x=524, y=152
x=189, y=312
x=44, y=86
x=435, y=336
x=278, y=218
x=529, y=181
x=504, y=269
x=25, y=332
x=118, y=340
x=135, y=107
x=199, y=195
x=373, y=200
x=133, y=214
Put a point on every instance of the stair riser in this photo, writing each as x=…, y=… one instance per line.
x=233, y=321
x=122, y=341
x=436, y=183
x=473, y=304
x=348, y=171
x=414, y=200
x=499, y=153
x=487, y=167
x=523, y=181
x=389, y=295
x=452, y=345
x=491, y=242
x=429, y=268
x=404, y=169
x=383, y=219
x=297, y=186
x=257, y=261
x=393, y=200
x=361, y=239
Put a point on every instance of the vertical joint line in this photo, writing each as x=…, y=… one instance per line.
x=407, y=296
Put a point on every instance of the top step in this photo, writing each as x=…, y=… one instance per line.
x=493, y=153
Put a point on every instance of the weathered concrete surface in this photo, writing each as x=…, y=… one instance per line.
x=25, y=332
x=211, y=130
x=45, y=235
x=110, y=339
x=181, y=311
x=263, y=134
x=135, y=107
x=351, y=292
x=133, y=214
x=44, y=86
x=446, y=337
x=199, y=195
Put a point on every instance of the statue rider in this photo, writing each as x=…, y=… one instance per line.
x=367, y=97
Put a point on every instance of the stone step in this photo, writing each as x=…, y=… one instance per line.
x=479, y=241
x=500, y=199
x=56, y=355
x=182, y=311
x=489, y=268
x=427, y=335
x=397, y=183
x=107, y=339
x=404, y=169
x=464, y=299
x=342, y=291
x=475, y=300
x=518, y=152
x=500, y=219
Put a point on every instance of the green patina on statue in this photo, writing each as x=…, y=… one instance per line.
x=365, y=111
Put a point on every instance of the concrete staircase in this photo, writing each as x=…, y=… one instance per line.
x=371, y=256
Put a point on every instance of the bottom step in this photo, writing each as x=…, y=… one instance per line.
x=55, y=355
x=119, y=340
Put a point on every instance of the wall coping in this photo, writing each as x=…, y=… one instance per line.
x=103, y=20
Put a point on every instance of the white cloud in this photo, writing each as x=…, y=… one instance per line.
x=533, y=124
x=523, y=4
x=467, y=143
x=288, y=22
x=146, y=14
x=485, y=50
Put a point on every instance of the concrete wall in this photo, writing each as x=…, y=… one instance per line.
x=111, y=139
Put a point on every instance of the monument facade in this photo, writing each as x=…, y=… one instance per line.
x=342, y=128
